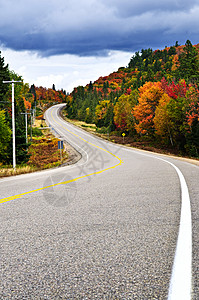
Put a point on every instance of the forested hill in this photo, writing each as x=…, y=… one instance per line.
x=155, y=98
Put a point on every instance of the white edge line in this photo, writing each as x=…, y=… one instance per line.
x=181, y=278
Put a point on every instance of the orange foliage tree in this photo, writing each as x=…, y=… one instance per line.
x=192, y=112
x=27, y=104
x=149, y=96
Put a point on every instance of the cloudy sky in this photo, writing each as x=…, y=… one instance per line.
x=70, y=42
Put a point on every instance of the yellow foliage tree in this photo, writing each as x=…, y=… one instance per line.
x=149, y=96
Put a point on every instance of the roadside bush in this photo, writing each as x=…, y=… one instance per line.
x=36, y=132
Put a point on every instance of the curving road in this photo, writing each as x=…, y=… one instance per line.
x=106, y=227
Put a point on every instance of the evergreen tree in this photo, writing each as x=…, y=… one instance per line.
x=172, y=51
x=135, y=61
x=192, y=139
x=33, y=92
x=189, y=62
x=105, y=88
x=5, y=137
x=90, y=87
x=4, y=75
x=20, y=127
x=20, y=130
x=150, y=74
x=177, y=44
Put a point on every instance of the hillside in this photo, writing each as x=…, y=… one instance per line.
x=154, y=99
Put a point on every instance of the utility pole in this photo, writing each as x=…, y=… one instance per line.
x=31, y=124
x=26, y=121
x=13, y=121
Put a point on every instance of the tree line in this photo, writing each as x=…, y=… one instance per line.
x=155, y=98
x=30, y=99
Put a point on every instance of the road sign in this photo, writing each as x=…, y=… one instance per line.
x=60, y=145
x=123, y=134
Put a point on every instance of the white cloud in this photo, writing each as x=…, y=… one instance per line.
x=65, y=71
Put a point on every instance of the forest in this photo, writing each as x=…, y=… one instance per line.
x=28, y=99
x=155, y=98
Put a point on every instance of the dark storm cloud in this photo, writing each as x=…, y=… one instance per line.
x=128, y=8
x=92, y=27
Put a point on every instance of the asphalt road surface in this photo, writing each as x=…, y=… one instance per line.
x=106, y=227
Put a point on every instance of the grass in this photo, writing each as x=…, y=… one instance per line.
x=9, y=171
x=81, y=124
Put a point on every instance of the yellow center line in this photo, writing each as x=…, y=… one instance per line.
x=3, y=200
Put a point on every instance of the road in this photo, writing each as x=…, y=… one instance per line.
x=104, y=228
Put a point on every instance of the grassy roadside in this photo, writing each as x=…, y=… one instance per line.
x=43, y=151
x=130, y=142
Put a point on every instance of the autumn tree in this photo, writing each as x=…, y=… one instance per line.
x=170, y=113
x=144, y=112
x=175, y=90
x=102, y=113
x=192, y=109
x=123, y=116
x=162, y=121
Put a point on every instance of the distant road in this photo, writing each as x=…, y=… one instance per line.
x=103, y=228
